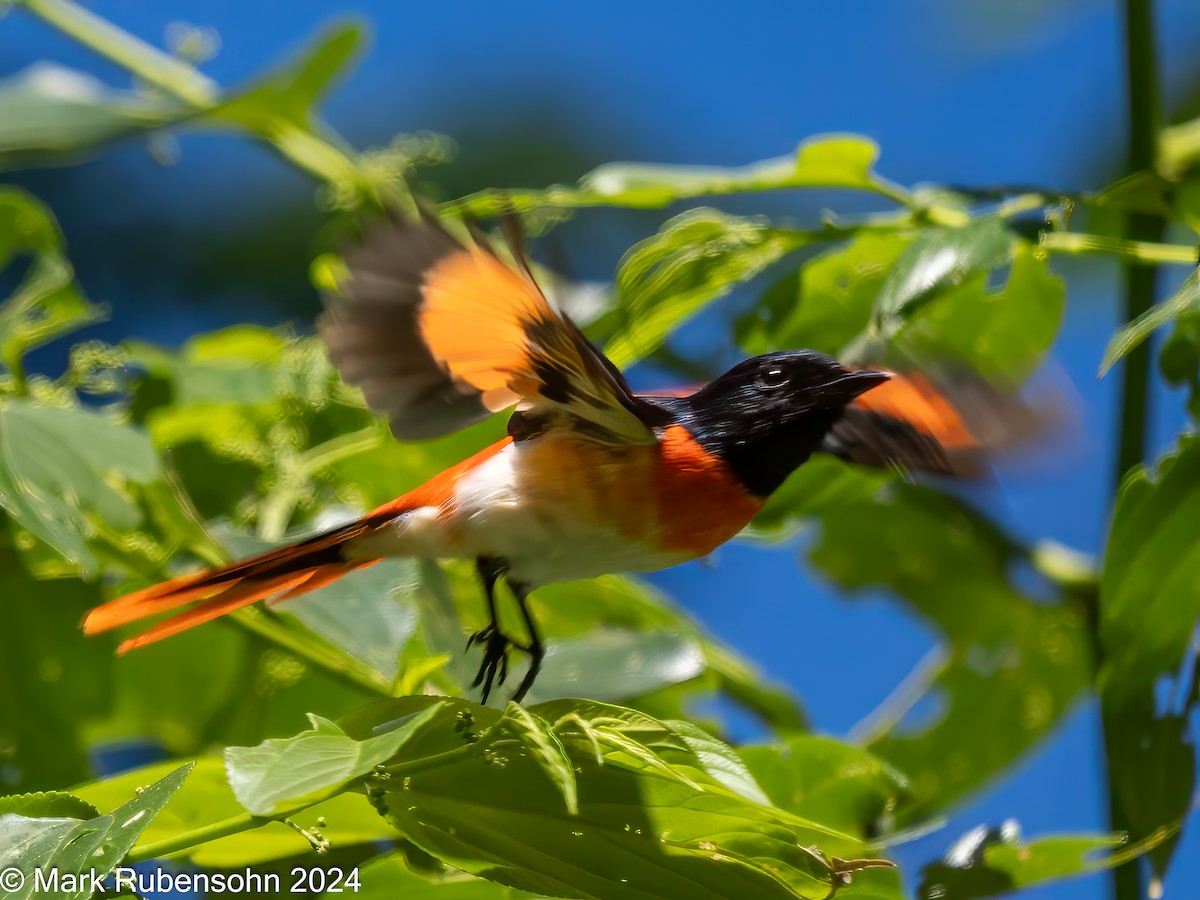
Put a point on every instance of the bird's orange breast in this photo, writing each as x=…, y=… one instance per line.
x=700, y=503
x=672, y=497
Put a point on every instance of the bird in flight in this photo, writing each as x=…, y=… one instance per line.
x=592, y=478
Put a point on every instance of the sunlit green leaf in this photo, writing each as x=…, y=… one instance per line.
x=312, y=765
x=668, y=278
x=940, y=258
x=469, y=797
x=828, y=161
x=206, y=799
x=71, y=846
x=824, y=161
x=722, y=762
x=545, y=747
x=47, y=805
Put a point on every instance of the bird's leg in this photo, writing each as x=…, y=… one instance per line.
x=495, y=642
x=536, y=650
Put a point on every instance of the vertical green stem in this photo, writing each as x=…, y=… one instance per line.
x=1141, y=81
x=1140, y=282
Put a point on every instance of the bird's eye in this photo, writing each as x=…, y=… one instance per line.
x=773, y=377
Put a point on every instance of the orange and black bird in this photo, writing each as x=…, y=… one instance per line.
x=592, y=478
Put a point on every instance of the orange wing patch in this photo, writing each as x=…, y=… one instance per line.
x=947, y=426
x=913, y=400
x=474, y=318
x=439, y=334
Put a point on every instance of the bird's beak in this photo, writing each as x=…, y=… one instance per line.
x=853, y=384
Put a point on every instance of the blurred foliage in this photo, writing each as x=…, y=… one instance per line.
x=138, y=462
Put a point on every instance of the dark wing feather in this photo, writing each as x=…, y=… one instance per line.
x=439, y=334
x=947, y=427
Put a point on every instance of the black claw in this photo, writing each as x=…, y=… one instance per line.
x=495, y=658
x=495, y=643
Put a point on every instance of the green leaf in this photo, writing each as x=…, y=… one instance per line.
x=545, y=747
x=1184, y=301
x=57, y=467
x=827, y=781
x=827, y=161
x=387, y=877
x=313, y=764
x=720, y=761
x=1152, y=768
x=291, y=92
x=1003, y=335
x=1150, y=584
x=1012, y=667
x=48, y=112
x=47, y=805
x=71, y=845
x=650, y=820
x=47, y=304
x=938, y=259
x=989, y=862
x=836, y=161
x=616, y=664
x=825, y=303
x=368, y=613
x=206, y=799
x=666, y=279
x=280, y=109
x=54, y=682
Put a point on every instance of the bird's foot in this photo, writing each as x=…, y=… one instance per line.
x=495, y=657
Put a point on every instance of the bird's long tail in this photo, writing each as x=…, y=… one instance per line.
x=287, y=571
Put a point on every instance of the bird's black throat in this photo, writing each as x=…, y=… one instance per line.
x=767, y=415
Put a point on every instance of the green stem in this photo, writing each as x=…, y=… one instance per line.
x=226, y=827
x=339, y=448
x=1141, y=80
x=1132, y=252
x=148, y=63
x=194, y=838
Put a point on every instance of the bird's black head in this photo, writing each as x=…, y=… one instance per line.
x=767, y=414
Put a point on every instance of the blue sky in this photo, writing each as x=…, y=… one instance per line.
x=995, y=92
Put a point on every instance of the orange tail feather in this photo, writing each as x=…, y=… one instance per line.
x=290, y=571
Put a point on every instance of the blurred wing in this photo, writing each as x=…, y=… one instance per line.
x=947, y=427
x=439, y=335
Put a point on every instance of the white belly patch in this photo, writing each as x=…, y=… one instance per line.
x=542, y=537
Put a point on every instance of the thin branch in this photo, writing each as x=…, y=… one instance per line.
x=1133, y=252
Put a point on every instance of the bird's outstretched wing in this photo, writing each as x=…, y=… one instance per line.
x=945, y=426
x=439, y=334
